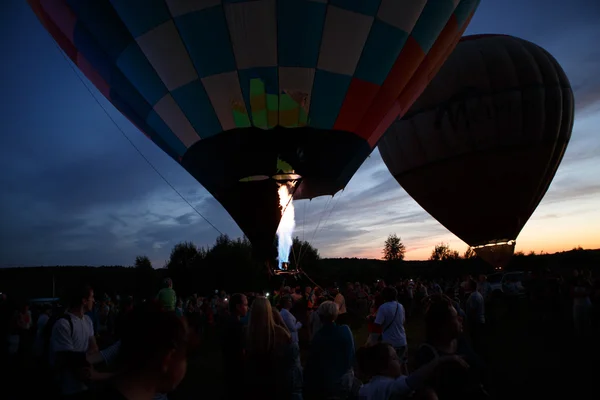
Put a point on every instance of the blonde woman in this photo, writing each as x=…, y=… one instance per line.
x=273, y=360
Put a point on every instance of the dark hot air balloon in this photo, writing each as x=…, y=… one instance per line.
x=249, y=94
x=478, y=150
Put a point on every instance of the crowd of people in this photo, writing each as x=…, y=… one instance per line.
x=295, y=343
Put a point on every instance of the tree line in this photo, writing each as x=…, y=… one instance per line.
x=229, y=264
x=394, y=250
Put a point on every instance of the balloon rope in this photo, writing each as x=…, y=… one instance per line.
x=335, y=203
x=317, y=285
x=296, y=259
x=304, y=221
x=130, y=141
x=319, y=223
x=294, y=255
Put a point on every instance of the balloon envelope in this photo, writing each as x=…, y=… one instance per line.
x=234, y=90
x=478, y=150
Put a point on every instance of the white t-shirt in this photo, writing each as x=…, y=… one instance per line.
x=384, y=388
x=78, y=340
x=476, y=307
x=392, y=328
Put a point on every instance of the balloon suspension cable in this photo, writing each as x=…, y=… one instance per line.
x=319, y=223
x=337, y=201
x=315, y=284
x=131, y=142
x=304, y=221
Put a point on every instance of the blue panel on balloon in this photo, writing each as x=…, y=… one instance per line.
x=195, y=104
x=92, y=52
x=464, y=9
x=206, y=36
x=384, y=44
x=299, y=32
x=130, y=95
x=433, y=19
x=166, y=134
x=142, y=16
x=141, y=124
x=102, y=22
x=137, y=69
x=365, y=7
x=329, y=91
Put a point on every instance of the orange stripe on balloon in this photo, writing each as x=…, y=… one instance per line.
x=360, y=93
x=62, y=16
x=458, y=39
x=406, y=64
x=443, y=47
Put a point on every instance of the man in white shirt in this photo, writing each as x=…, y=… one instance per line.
x=72, y=338
x=391, y=318
x=290, y=321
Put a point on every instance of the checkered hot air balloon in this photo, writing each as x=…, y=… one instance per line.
x=232, y=88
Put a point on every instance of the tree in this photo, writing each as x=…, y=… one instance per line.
x=230, y=264
x=443, y=252
x=182, y=256
x=394, y=248
x=469, y=253
x=143, y=262
x=145, y=277
x=304, y=255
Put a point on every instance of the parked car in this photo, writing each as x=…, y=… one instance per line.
x=501, y=283
x=44, y=300
x=516, y=278
x=495, y=281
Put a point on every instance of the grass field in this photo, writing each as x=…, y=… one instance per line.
x=525, y=359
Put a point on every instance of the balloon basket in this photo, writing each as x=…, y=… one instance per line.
x=285, y=270
x=286, y=273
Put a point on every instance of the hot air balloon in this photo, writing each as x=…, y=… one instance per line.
x=249, y=94
x=479, y=149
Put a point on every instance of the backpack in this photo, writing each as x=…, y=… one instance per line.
x=47, y=333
